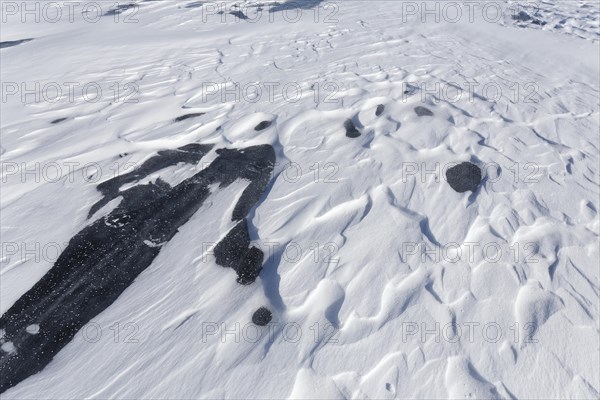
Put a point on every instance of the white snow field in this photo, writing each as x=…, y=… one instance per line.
x=383, y=281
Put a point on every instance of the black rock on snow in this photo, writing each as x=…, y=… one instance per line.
x=423, y=111
x=351, y=130
x=263, y=125
x=464, y=177
x=262, y=316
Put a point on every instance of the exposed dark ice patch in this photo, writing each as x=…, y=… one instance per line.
x=423, y=111
x=188, y=116
x=58, y=120
x=105, y=257
x=464, y=177
x=254, y=164
x=263, y=125
x=191, y=153
x=262, y=316
x=380, y=110
x=14, y=43
x=234, y=252
x=351, y=130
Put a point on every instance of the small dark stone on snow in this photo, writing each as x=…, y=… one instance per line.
x=423, y=111
x=188, y=116
x=239, y=14
x=262, y=316
x=380, y=109
x=463, y=177
x=59, y=120
x=263, y=125
x=351, y=130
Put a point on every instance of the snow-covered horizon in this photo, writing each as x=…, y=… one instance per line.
x=300, y=199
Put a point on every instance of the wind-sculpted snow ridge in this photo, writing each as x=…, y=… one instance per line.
x=576, y=18
x=12, y=43
x=380, y=279
x=105, y=258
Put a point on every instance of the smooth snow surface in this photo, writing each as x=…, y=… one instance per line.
x=383, y=281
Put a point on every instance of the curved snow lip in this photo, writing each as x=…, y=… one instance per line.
x=13, y=43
